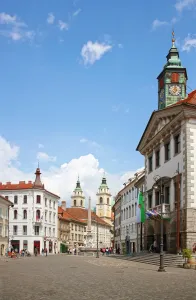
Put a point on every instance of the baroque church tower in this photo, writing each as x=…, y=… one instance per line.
x=77, y=198
x=103, y=206
x=172, y=79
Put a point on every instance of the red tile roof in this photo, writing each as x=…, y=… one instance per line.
x=22, y=185
x=82, y=214
x=64, y=215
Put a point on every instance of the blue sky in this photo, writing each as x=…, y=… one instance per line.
x=100, y=102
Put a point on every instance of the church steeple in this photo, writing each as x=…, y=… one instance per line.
x=172, y=79
x=103, y=206
x=78, y=199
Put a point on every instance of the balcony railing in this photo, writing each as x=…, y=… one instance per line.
x=166, y=210
x=38, y=220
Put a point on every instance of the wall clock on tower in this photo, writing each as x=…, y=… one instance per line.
x=174, y=90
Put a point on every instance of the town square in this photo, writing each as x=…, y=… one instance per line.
x=98, y=150
x=75, y=277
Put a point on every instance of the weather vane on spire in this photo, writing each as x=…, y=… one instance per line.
x=173, y=37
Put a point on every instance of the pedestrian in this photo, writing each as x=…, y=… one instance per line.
x=46, y=251
x=107, y=251
x=42, y=251
x=103, y=251
x=155, y=246
x=35, y=251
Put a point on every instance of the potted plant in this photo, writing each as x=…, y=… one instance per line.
x=189, y=260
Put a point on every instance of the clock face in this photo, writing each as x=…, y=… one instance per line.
x=174, y=90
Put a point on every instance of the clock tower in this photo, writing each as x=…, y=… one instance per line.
x=172, y=79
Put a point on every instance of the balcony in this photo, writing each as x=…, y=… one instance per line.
x=166, y=210
x=38, y=221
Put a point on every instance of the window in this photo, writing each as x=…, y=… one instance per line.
x=175, y=77
x=25, y=199
x=108, y=201
x=46, y=202
x=36, y=230
x=157, y=198
x=49, y=231
x=54, y=215
x=167, y=195
x=6, y=197
x=46, y=216
x=38, y=199
x=132, y=210
x=129, y=211
x=38, y=214
x=100, y=200
x=0, y=230
x=81, y=203
x=25, y=214
x=53, y=232
x=157, y=158
x=54, y=205
x=15, y=214
x=15, y=230
x=167, y=151
x=135, y=209
x=72, y=227
x=177, y=144
x=24, y=230
x=150, y=164
x=50, y=216
x=75, y=227
x=50, y=203
x=74, y=202
x=45, y=231
x=15, y=199
x=150, y=201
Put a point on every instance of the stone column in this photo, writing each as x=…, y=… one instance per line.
x=89, y=214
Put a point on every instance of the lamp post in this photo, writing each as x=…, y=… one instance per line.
x=158, y=185
x=97, y=255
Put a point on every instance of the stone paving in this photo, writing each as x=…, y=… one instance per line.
x=74, y=277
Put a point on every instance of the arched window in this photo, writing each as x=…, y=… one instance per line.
x=81, y=203
x=38, y=214
x=24, y=214
x=74, y=202
x=108, y=201
x=101, y=200
x=15, y=214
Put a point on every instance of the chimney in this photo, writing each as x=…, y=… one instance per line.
x=63, y=205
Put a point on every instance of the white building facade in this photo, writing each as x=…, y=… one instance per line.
x=33, y=220
x=129, y=227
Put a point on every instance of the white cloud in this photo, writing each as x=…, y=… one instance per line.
x=157, y=23
x=185, y=4
x=91, y=52
x=76, y=13
x=62, y=25
x=189, y=43
x=90, y=143
x=115, y=108
x=42, y=156
x=13, y=28
x=55, y=178
x=50, y=18
x=40, y=146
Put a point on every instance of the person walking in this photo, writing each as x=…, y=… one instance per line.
x=46, y=251
x=42, y=251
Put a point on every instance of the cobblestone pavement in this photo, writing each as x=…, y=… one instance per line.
x=73, y=277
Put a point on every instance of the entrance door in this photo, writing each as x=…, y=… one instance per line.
x=16, y=245
x=133, y=247
x=50, y=246
x=37, y=245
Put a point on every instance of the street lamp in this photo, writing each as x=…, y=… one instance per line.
x=158, y=185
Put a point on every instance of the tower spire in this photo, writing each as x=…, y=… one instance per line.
x=38, y=182
x=173, y=39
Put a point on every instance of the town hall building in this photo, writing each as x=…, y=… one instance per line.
x=169, y=147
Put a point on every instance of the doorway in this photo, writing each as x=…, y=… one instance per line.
x=37, y=245
x=2, y=249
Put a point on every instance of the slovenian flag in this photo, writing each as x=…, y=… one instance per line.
x=141, y=216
